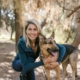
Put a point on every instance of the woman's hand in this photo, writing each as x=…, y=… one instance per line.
x=50, y=59
x=52, y=65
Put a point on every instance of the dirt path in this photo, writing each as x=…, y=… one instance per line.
x=7, y=53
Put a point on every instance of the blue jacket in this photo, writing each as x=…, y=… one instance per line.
x=28, y=56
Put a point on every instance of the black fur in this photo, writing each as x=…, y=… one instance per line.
x=69, y=50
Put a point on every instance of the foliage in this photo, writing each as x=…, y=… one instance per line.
x=53, y=12
x=60, y=34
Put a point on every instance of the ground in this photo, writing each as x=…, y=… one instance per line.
x=7, y=53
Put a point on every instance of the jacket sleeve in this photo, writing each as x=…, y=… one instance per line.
x=61, y=52
x=26, y=65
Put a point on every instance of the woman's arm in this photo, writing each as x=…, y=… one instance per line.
x=26, y=65
x=62, y=51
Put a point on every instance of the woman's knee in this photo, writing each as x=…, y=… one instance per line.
x=16, y=65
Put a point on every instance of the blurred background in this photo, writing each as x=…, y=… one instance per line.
x=60, y=16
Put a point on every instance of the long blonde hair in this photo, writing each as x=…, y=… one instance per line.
x=31, y=21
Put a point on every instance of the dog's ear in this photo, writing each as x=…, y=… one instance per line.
x=42, y=38
x=53, y=34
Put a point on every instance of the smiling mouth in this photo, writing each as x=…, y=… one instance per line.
x=53, y=52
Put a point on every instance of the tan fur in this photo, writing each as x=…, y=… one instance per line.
x=43, y=48
x=71, y=59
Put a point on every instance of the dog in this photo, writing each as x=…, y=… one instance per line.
x=49, y=48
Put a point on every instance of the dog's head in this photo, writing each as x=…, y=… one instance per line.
x=48, y=46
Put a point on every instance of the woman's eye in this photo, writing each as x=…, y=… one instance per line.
x=29, y=29
x=35, y=29
x=32, y=29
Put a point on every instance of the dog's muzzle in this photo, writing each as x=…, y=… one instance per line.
x=53, y=51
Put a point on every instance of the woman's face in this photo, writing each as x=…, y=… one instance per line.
x=32, y=32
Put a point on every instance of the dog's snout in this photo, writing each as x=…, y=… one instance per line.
x=56, y=50
x=48, y=49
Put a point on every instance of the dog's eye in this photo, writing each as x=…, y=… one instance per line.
x=50, y=42
x=45, y=42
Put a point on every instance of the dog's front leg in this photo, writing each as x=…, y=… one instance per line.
x=47, y=73
x=57, y=69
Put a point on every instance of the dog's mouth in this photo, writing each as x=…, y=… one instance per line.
x=53, y=52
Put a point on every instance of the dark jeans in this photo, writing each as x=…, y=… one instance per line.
x=16, y=65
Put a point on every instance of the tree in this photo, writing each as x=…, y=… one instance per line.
x=53, y=13
x=76, y=41
x=0, y=14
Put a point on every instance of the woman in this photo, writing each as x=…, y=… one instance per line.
x=28, y=51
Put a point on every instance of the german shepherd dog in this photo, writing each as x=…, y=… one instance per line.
x=49, y=48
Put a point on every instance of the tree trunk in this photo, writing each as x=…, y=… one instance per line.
x=76, y=41
x=18, y=28
x=0, y=17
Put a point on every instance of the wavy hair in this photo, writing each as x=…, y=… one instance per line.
x=36, y=23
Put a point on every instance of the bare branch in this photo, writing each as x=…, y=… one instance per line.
x=69, y=35
x=43, y=23
x=75, y=10
x=64, y=8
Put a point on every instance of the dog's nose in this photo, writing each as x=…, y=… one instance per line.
x=56, y=50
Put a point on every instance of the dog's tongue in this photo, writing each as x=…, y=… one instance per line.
x=54, y=53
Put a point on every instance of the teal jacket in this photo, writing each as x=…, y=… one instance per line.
x=28, y=56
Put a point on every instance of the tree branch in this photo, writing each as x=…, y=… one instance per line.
x=64, y=8
x=75, y=10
